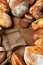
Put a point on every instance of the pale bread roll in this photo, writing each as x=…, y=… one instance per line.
x=18, y=7
x=33, y=55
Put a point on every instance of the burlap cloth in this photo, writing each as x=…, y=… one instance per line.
x=16, y=39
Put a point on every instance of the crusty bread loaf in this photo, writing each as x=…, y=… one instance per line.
x=33, y=55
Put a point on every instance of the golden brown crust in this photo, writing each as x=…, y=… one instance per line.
x=34, y=49
x=33, y=55
x=5, y=20
x=36, y=9
x=16, y=59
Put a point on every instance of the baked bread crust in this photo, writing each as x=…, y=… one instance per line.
x=33, y=55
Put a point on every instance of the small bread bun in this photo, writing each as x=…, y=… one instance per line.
x=5, y=20
x=39, y=43
x=33, y=55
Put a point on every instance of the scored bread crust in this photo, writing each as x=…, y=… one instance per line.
x=34, y=49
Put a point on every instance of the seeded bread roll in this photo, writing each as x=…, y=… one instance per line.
x=33, y=55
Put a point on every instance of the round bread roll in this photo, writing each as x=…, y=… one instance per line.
x=4, y=6
x=18, y=7
x=2, y=54
x=33, y=55
x=39, y=43
x=5, y=20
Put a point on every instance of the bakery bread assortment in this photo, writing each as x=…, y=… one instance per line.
x=29, y=13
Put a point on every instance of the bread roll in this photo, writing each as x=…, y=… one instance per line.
x=5, y=20
x=18, y=7
x=33, y=55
